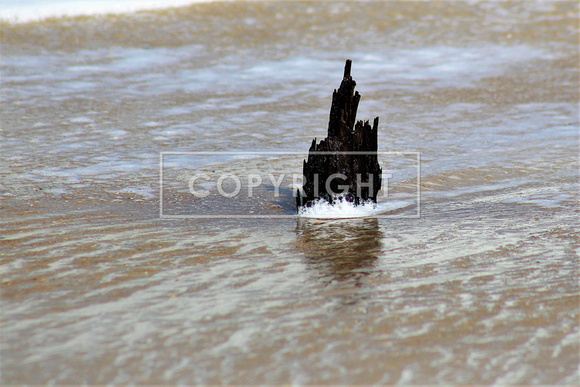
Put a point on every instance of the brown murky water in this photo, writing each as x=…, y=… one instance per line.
x=482, y=288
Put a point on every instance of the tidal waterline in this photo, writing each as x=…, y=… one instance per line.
x=97, y=288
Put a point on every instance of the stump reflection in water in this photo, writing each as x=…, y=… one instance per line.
x=340, y=249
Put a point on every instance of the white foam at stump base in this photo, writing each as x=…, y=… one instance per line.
x=342, y=209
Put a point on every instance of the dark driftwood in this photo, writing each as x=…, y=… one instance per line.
x=349, y=150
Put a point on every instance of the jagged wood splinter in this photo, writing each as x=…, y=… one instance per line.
x=344, y=165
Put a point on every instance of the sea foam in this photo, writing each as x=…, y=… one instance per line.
x=25, y=11
x=342, y=209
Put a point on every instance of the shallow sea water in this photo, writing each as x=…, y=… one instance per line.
x=475, y=283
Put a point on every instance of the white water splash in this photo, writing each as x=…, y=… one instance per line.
x=342, y=209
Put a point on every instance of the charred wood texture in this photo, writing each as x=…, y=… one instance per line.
x=344, y=165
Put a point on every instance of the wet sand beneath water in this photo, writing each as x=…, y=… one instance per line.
x=483, y=288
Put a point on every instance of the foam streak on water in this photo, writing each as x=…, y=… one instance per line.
x=31, y=10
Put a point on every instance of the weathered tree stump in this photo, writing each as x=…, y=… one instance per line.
x=343, y=166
